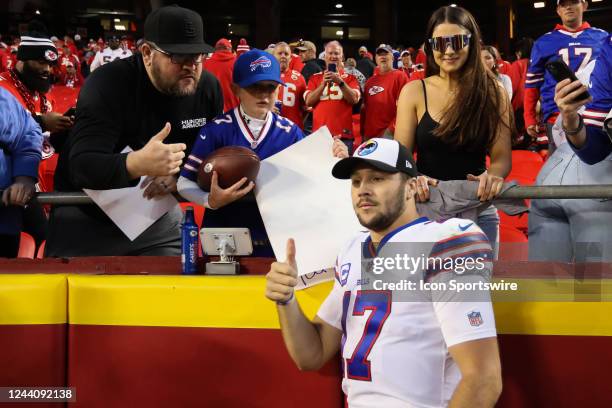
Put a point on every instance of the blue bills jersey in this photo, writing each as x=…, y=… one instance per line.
x=230, y=129
x=576, y=49
x=600, y=87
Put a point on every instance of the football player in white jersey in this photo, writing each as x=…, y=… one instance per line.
x=400, y=347
x=109, y=54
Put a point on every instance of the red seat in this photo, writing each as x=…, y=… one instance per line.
x=41, y=251
x=522, y=156
x=520, y=222
x=512, y=244
x=508, y=233
x=27, y=246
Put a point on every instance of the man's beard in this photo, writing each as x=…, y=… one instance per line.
x=32, y=80
x=174, y=88
x=382, y=221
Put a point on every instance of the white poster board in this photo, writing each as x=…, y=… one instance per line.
x=299, y=198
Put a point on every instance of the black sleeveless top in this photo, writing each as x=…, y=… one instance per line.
x=443, y=161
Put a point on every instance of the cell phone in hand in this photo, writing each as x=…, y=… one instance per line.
x=70, y=112
x=560, y=71
x=331, y=67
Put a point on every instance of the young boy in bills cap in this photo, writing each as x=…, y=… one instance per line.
x=252, y=124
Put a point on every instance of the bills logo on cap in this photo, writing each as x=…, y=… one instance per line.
x=367, y=148
x=50, y=55
x=263, y=62
x=475, y=319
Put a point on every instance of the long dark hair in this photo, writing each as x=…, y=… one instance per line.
x=473, y=118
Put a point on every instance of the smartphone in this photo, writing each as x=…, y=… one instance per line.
x=560, y=71
x=70, y=112
x=331, y=67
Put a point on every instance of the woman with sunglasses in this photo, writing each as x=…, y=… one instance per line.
x=252, y=124
x=457, y=115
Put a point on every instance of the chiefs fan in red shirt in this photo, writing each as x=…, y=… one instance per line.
x=332, y=94
x=292, y=94
x=380, y=96
x=29, y=82
x=221, y=65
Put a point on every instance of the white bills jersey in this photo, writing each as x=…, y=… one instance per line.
x=394, y=346
x=108, y=55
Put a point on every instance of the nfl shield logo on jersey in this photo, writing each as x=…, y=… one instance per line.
x=475, y=319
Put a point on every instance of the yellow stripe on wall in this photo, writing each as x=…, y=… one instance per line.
x=32, y=299
x=239, y=302
x=181, y=301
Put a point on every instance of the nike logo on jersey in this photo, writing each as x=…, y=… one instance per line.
x=375, y=90
x=203, y=137
x=465, y=227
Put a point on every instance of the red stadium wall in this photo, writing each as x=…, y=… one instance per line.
x=160, y=341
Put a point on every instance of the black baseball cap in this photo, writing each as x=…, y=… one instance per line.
x=176, y=30
x=384, y=154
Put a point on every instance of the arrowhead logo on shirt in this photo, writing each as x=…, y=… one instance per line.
x=375, y=90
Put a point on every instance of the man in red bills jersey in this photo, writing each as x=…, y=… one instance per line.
x=380, y=96
x=422, y=344
x=292, y=94
x=332, y=94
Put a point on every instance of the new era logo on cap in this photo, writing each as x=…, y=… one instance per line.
x=383, y=154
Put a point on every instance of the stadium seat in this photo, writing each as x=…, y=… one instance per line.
x=27, y=246
x=508, y=233
x=522, y=156
x=512, y=244
x=519, y=222
x=40, y=254
x=525, y=165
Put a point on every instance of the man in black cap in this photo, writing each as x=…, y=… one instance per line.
x=154, y=103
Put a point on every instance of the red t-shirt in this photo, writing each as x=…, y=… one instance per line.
x=380, y=102
x=221, y=65
x=518, y=74
x=292, y=96
x=332, y=110
x=3, y=60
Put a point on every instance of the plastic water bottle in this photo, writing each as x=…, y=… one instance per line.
x=189, y=243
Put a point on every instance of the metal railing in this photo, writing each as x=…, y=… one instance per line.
x=518, y=191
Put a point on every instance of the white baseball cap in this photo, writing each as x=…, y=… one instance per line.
x=384, y=154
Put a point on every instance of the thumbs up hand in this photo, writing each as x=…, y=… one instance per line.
x=156, y=158
x=282, y=277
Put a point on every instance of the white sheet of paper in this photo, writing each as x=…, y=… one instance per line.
x=129, y=210
x=298, y=198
